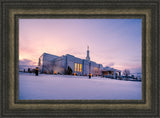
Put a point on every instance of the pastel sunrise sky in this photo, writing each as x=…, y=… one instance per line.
x=112, y=42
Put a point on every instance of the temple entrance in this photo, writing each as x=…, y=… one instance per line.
x=69, y=71
x=111, y=73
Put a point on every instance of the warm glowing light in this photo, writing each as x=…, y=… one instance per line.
x=75, y=67
x=80, y=67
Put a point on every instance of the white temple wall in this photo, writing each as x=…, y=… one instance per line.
x=71, y=60
x=55, y=64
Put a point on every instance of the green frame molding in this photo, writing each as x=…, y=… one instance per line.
x=12, y=10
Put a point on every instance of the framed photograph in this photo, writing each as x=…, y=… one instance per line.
x=79, y=58
x=64, y=74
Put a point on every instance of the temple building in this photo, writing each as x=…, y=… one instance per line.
x=71, y=65
x=110, y=72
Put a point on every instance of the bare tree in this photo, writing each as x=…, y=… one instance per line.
x=126, y=72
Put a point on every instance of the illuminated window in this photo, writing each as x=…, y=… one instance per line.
x=96, y=69
x=80, y=67
x=75, y=66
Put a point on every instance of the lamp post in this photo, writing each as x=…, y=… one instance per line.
x=89, y=69
x=36, y=71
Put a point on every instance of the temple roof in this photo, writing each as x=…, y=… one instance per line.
x=107, y=68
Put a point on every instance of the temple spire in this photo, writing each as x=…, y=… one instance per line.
x=88, y=58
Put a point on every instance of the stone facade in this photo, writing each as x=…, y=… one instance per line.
x=46, y=63
x=53, y=64
x=69, y=64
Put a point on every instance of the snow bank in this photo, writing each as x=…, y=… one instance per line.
x=76, y=87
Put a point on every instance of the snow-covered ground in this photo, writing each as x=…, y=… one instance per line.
x=66, y=87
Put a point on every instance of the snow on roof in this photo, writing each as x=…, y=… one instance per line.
x=49, y=54
x=107, y=68
x=80, y=58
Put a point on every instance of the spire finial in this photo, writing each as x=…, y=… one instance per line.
x=88, y=58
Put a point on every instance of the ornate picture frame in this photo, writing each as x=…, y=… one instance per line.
x=12, y=10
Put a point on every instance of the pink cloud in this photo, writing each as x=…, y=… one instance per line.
x=27, y=62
